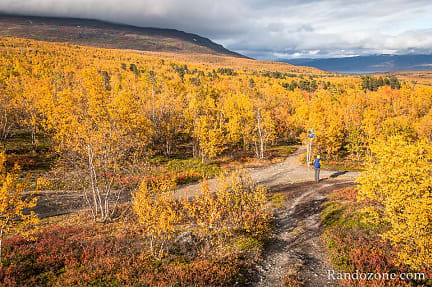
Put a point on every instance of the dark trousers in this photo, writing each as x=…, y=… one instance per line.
x=317, y=171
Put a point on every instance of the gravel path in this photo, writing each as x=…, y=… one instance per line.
x=296, y=246
x=58, y=202
x=287, y=172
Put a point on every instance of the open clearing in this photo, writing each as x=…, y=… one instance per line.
x=296, y=246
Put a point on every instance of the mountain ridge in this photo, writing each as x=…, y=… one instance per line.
x=104, y=34
x=368, y=64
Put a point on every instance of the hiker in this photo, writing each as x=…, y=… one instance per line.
x=317, y=166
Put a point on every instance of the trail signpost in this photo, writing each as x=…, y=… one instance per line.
x=311, y=135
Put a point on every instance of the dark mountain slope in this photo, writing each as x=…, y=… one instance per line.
x=108, y=35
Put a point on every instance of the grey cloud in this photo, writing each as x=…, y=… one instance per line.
x=267, y=29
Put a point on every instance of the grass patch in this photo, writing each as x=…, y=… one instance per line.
x=182, y=165
x=282, y=150
x=239, y=159
x=344, y=165
x=332, y=214
x=35, y=160
x=190, y=170
x=277, y=199
x=20, y=142
x=248, y=243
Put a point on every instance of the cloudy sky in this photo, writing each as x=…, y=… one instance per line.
x=268, y=29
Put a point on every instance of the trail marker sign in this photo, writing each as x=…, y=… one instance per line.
x=311, y=135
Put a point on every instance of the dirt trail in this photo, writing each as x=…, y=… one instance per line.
x=296, y=247
x=58, y=202
x=287, y=172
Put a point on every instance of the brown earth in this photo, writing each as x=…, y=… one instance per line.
x=296, y=247
x=284, y=173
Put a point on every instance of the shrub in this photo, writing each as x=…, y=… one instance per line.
x=397, y=187
x=237, y=205
x=158, y=212
x=355, y=245
x=92, y=256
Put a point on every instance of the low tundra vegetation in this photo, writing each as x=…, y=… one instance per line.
x=166, y=240
x=354, y=244
x=383, y=225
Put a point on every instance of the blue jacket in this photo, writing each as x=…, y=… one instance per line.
x=316, y=163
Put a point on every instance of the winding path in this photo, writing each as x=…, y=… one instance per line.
x=296, y=246
x=276, y=175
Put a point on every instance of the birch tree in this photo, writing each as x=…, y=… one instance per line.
x=13, y=204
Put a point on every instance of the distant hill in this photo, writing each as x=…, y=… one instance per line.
x=369, y=64
x=108, y=35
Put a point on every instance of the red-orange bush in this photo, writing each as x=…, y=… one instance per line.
x=348, y=193
x=353, y=245
x=188, y=176
x=78, y=256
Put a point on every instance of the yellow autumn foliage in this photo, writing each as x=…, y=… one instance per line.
x=158, y=212
x=397, y=185
x=13, y=202
x=236, y=203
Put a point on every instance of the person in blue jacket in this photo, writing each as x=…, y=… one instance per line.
x=317, y=166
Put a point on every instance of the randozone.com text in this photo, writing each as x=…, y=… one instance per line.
x=356, y=275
